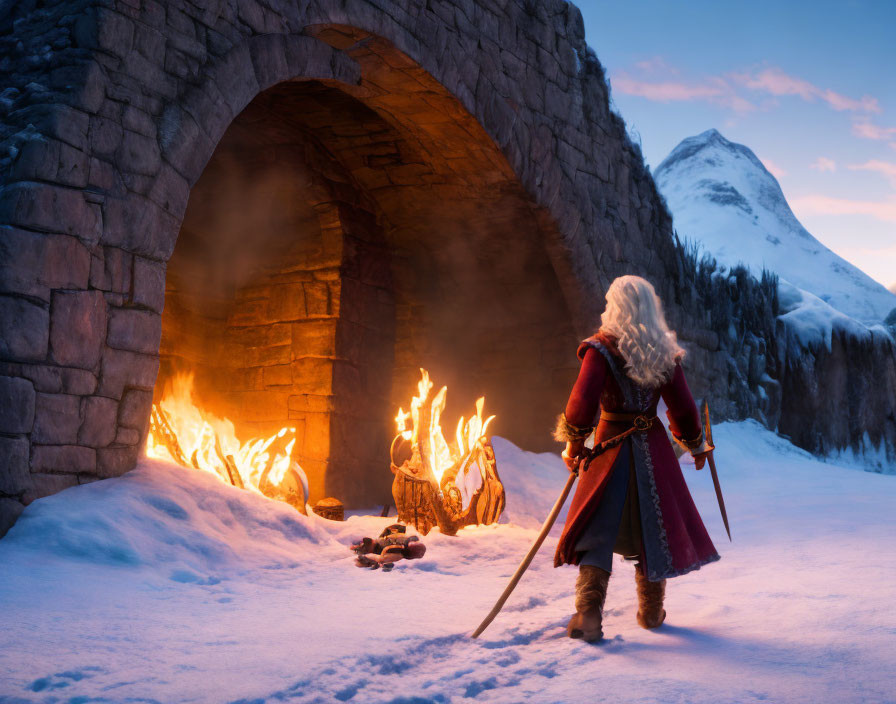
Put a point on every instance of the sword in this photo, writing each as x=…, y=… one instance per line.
x=707, y=434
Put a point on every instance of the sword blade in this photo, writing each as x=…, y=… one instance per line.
x=715, y=481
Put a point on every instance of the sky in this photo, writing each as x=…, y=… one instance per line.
x=808, y=86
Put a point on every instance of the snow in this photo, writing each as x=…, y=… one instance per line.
x=810, y=322
x=166, y=585
x=722, y=197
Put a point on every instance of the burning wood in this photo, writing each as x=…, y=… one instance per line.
x=449, y=486
x=179, y=431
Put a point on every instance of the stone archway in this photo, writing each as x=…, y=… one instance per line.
x=408, y=242
x=505, y=102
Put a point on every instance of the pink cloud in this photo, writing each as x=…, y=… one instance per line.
x=868, y=130
x=732, y=90
x=886, y=168
x=826, y=205
x=822, y=163
x=776, y=82
x=713, y=90
x=657, y=64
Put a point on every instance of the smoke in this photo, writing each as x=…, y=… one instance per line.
x=244, y=216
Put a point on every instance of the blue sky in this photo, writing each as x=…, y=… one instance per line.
x=810, y=87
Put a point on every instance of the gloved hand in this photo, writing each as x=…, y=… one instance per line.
x=573, y=454
x=700, y=459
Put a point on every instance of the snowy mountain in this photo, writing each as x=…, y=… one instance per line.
x=721, y=196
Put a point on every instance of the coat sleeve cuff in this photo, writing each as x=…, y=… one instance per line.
x=567, y=432
x=696, y=445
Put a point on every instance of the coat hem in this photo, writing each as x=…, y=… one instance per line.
x=715, y=557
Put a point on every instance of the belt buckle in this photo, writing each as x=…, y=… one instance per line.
x=642, y=423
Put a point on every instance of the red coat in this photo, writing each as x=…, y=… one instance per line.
x=674, y=539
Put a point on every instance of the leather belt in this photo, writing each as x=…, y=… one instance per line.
x=640, y=421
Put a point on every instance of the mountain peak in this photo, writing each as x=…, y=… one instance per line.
x=712, y=146
x=722, y=196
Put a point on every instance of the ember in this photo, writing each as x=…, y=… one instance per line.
x=440, y=484
x=179, y=431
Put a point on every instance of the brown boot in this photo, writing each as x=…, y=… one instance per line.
x=650, y=601
x=591, y=592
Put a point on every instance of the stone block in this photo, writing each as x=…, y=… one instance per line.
x=137, y=120
x=79, y=382
x=105, y=177
x=312, y=375
x=24, y=329
x=184, y=144
x=127, y=436
x=50, y=160
x=301, y=404
x=268, y=54
x=78, y=328
x=33, y=263
x=57, y=418
x=316, y=444
x=149, y=284
x=105, y=137
x=278, y=375
x=45, y=377
x=317, y=298
x=170, y=191
x=260, y=406
x=118, y=267
x=262, y=356
x=314, y=338
x=17, y=402
x=13, y=465
x=99, y=425
x=136, y=224
x=139, y=154
x=10, y=510
x=122, y=369
x=135, y=330
x=260, y=335
x=235, y=78
x=41, y=485
x=115, y=461
x=286, y=302
x=134, y=410
x=62, y=459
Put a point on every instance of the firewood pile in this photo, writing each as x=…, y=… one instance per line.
x=290, y=488
x=438, y=485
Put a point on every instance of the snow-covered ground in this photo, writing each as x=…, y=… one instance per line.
x=167, y=586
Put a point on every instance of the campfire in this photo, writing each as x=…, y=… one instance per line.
x=437, y=483
x=180, y=432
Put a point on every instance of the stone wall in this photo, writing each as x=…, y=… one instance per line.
x=506, y=166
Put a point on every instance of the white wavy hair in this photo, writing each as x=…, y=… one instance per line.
x=634, y=316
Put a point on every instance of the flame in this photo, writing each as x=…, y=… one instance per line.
x=205, y=441
x=438, y=454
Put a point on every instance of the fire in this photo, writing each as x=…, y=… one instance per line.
x=451, y=485
x=183, y=433
x=439, y=456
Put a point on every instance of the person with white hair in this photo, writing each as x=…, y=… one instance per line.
x=631, y=499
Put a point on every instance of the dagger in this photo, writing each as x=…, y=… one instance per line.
x=707, y=434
